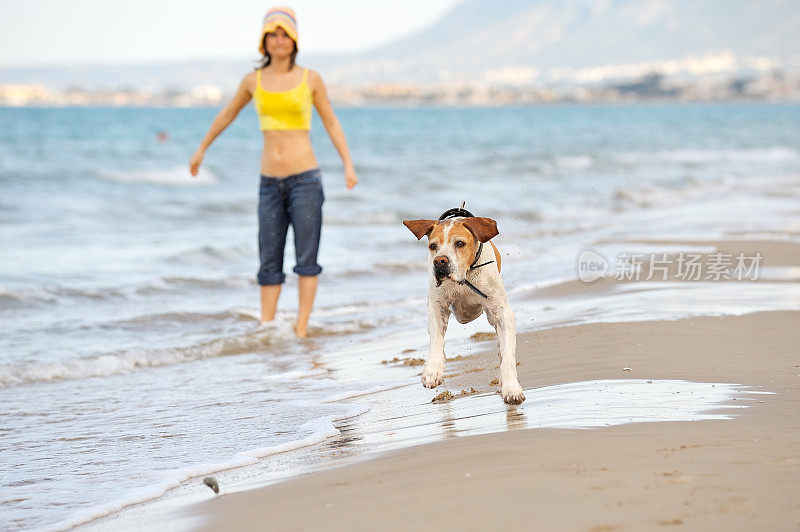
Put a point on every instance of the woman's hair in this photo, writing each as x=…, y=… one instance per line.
x=264, y=61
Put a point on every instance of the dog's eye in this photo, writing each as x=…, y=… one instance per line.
x=432, y=247
x=460, y=243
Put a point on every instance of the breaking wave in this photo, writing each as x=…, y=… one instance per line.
x=174, y=176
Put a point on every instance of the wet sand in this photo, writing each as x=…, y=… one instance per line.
x=735, y=474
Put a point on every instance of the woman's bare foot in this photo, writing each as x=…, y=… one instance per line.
x=301, y=329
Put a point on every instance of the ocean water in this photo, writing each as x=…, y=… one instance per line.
x=130, y=353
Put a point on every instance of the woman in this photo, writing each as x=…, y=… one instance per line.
x=291, y=190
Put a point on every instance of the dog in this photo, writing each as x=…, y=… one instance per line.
x=464, y=282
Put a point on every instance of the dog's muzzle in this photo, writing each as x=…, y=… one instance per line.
x=441, y=268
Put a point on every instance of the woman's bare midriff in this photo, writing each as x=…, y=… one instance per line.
x=286, y=153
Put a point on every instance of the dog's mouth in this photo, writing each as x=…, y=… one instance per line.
x=445, y=276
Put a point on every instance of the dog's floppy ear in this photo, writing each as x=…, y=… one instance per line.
x=420, y=228
x=484, y=229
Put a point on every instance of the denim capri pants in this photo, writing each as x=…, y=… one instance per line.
x=297, y=200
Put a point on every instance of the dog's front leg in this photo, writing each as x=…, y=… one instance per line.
x=433, y=371
x=505, y=324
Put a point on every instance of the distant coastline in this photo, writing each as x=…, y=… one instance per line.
x=769, y=87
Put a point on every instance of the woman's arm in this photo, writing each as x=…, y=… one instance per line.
x=332, y=126
x=223, y=120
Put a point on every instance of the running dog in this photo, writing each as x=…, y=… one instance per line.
x=462, y=282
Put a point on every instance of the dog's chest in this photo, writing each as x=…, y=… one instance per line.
x=465, y=311
x=465, y=304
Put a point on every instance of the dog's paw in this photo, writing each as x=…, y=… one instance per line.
x=432, y=377
x=512, y=393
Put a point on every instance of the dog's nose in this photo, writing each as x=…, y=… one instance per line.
x=440, y=261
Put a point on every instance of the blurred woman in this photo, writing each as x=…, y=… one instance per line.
x=291, y=187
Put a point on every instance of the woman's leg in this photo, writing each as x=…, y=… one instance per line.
x=305, y=213
x=269, y=301
x=307, y=289
x=273, y=223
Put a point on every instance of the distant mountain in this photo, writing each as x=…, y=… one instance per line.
x=548, y=39
x=516, y=41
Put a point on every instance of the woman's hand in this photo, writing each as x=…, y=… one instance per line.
x=195, y=161
x=350, y=176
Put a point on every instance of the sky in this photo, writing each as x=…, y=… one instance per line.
x=47, y=32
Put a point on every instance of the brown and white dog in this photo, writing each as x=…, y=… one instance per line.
x=463, y=282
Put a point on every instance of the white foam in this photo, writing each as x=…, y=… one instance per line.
x=359, y=308
x=296, y=374
x=649, y=196
x=544, y=283
x=247, y=313
x=574, y=162
x=773, y=154
x=175, y=176
x=374, y=389
x=657, y=300
x=373, y=218
x=135, y=359
x=779, y=273
x=653, y=194
x=266, y=334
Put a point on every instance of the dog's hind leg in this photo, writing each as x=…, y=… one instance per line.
x=433, y=371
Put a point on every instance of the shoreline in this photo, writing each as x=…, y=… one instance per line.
x=577, y=479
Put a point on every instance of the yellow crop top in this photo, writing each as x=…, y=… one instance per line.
x=283, y=110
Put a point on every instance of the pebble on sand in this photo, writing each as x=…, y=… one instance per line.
x=211, y=482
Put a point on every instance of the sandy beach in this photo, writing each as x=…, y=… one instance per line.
x=740, y=473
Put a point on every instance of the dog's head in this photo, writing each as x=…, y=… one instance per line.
x=453, y=243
